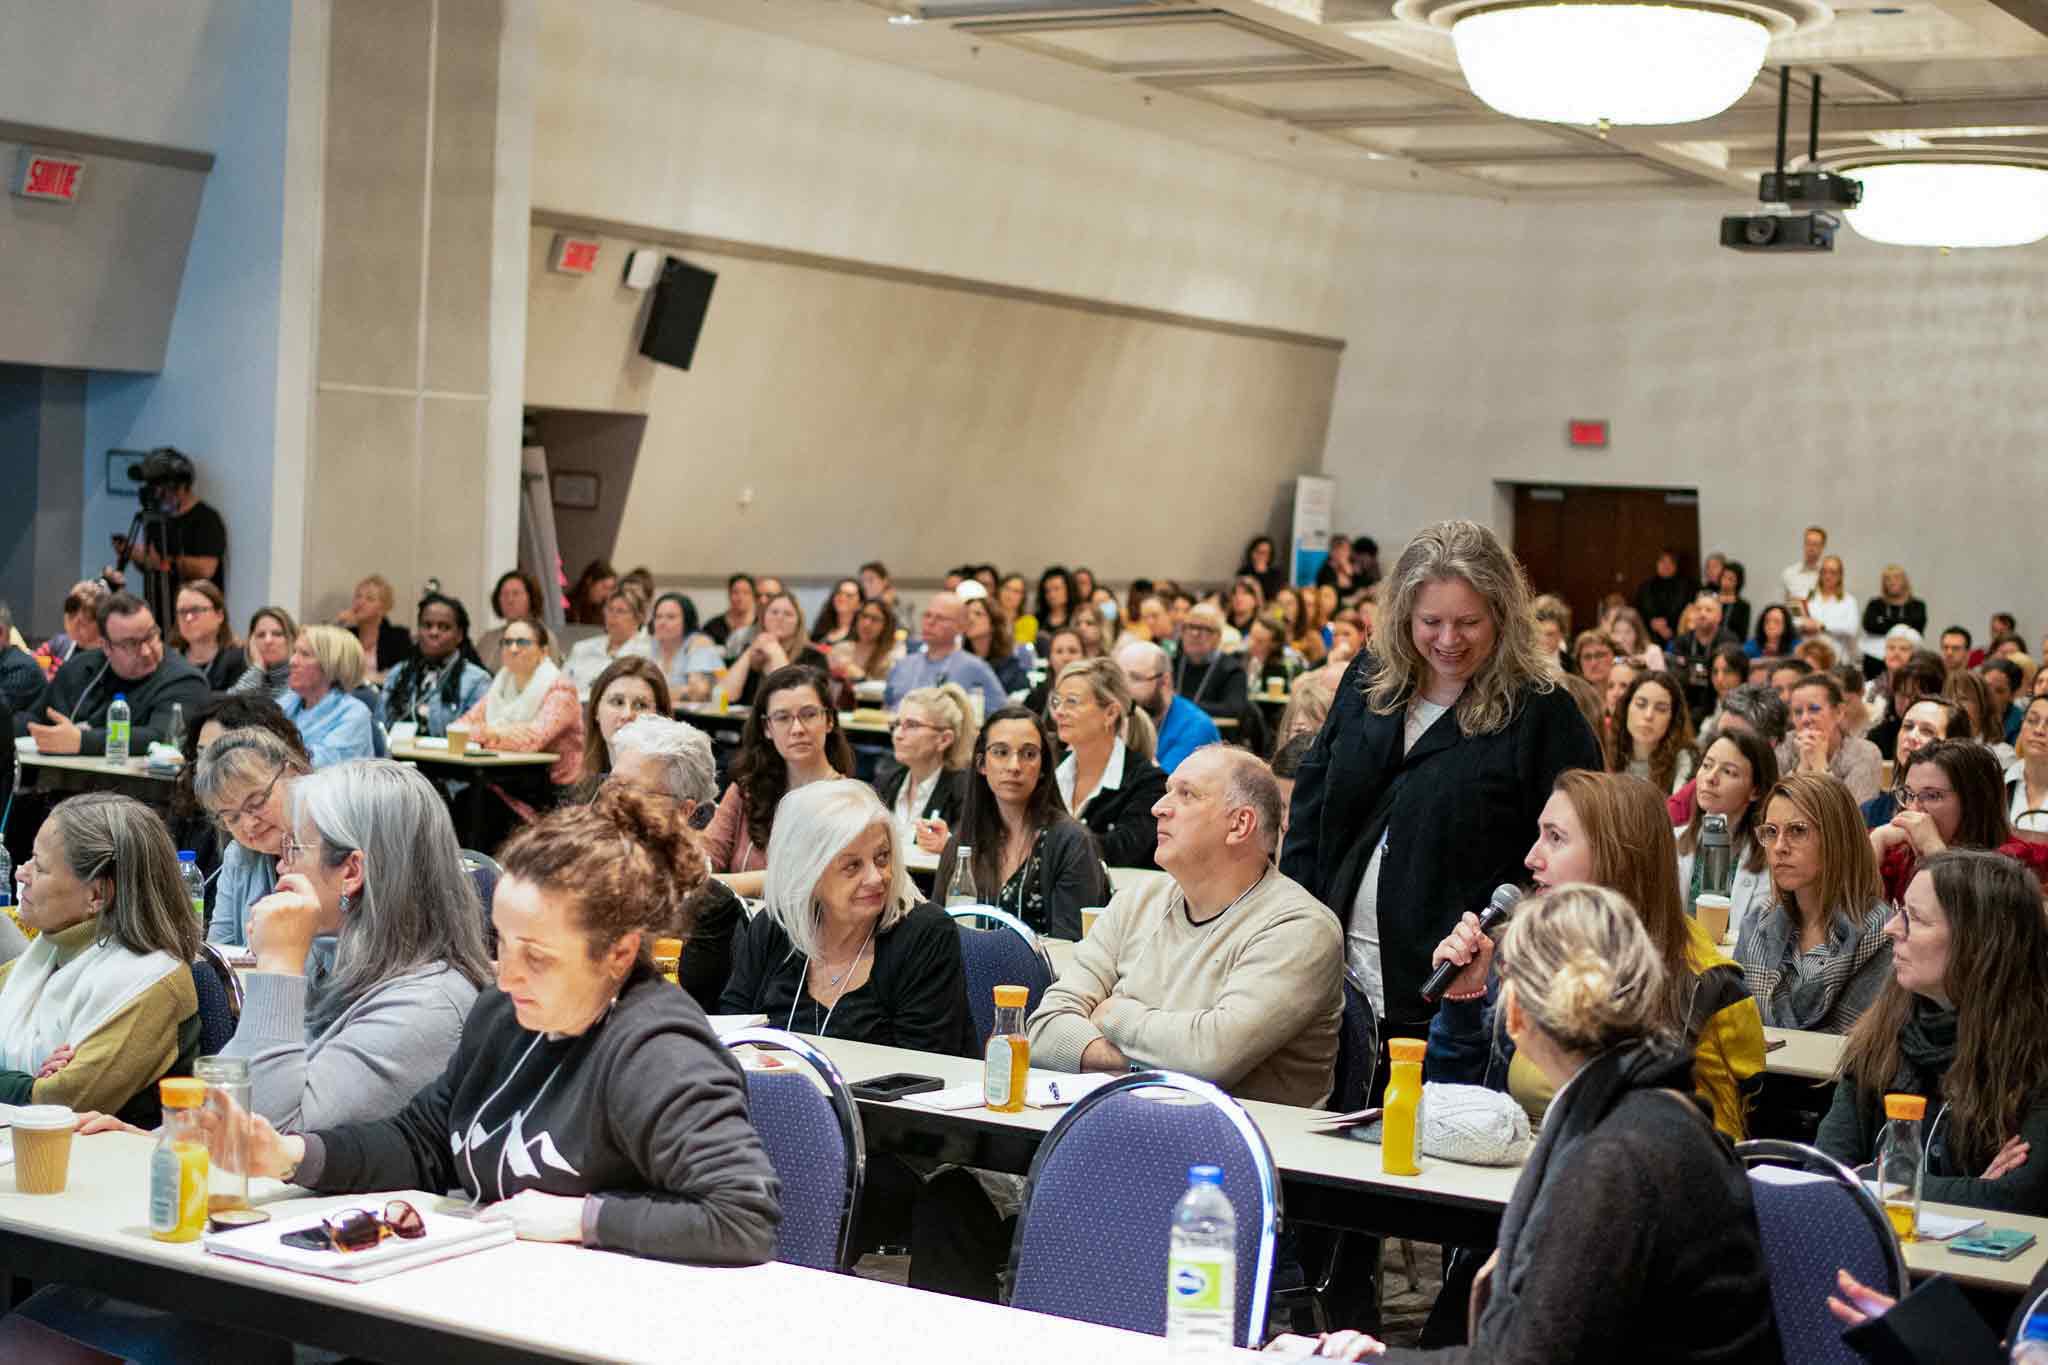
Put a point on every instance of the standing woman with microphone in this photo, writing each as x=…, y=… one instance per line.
x=1421, y=792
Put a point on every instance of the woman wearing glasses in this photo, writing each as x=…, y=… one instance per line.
x=1108, y=779
x=1952, y=796
x=932, y=739
x=1030, y=857
x=1816, y=955
x=1963, y=1022
x=791, y=738
x=204, y=636
x=244, y=778
x=532, y=706
x=2026, y=782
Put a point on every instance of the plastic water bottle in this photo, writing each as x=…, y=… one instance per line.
x=6, y=880
x=117, y=729
x=2031, y=1345
x=961, y=891
x=176, y=738
x=1201, y=1270
x=195, y=884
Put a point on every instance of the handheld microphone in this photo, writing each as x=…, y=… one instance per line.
x=1505, y=897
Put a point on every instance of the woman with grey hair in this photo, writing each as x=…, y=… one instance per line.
x=372, y=859
x=844, y=946
x=244, y=780
x=671, y=760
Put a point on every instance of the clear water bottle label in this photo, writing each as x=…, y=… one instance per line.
x=995, y=1073
x=165, y=1170
x=1199, y=1280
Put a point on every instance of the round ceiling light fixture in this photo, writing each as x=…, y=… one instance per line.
x=1602, y=62
x=1985, y=197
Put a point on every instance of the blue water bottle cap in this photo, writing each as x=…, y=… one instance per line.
x=186, y=855
x=120, y=696
x=2036, y=1328
x=1205, y=1175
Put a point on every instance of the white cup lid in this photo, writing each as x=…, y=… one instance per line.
x=44, y=1117
x=1710, y=898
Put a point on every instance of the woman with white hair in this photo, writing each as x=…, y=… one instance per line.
x=327, y=665
x=372, y=859
x=668, y=759
x=844, y=946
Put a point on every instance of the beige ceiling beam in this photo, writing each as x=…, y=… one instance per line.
x=1863, y=118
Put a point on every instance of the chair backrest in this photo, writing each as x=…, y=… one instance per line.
x=813, y=1139
x=220, y=999
x=1006, y=953
x=1093, y=1235
x=1816, y=1218
x=484, y=873
x=1358, y=1050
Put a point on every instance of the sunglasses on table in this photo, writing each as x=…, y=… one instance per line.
x=365, y=1229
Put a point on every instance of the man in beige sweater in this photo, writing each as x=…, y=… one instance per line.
x=1229, y=971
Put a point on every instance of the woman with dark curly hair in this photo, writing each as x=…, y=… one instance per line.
x=792, y=737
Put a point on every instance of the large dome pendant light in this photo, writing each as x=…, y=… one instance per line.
x=1982, y=198
x=1602, y=62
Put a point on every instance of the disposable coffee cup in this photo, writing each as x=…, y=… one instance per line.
x=1276, y=687
x=458, y=738
x=1712, y=913
x=42, y=1147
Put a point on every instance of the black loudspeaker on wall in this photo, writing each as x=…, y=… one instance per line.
x=675, y=316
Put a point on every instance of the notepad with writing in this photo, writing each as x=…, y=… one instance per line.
x=1042, y=1090
x=447, y=1237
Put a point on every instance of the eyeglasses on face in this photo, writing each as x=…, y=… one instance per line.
x=138, y=643
x=1924, y=796
x=905, y=725
x=1057, y=704
x=194, y=613
x=519, y=642
x=806, y=716
x=1023, y=753
x=232, y=820
x=362, y=1229
x=1793, y=833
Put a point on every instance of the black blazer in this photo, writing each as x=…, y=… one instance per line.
x=394, y=642
x=949, y=793
x=1459, y=824
x=1121, y=820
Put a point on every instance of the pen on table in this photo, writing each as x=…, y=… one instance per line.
x=1055, y=1087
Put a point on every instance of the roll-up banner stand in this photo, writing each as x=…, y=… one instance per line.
x=1313, y=495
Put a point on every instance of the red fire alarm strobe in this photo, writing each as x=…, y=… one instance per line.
x=573, y=255
x=39, y=175
x=1587, y=432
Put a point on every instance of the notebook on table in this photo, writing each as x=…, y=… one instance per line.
x=447, y=1237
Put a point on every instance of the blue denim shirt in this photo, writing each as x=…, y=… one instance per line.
x=471, y=685
x=336, y=729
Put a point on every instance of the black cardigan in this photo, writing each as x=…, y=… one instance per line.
x=1459, y=824
x=1121, y=820
x=948, y=798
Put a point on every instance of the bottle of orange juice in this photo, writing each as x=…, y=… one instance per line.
x=1400, y=1127
x=1009, y=1053
x=1901, y=1163
x=178, y=1167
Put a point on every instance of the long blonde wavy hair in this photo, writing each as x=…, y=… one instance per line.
x=1468, y=551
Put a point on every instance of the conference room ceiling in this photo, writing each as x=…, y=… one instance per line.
x=1339, y=88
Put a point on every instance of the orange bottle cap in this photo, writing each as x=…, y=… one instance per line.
x=1407, y=1049
x=181, y=1092
x=1012, y=997
x=1905, y=1106
x=668, y=947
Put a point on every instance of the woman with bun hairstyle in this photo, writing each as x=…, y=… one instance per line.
x=1631, y=1234
x=589, y=1100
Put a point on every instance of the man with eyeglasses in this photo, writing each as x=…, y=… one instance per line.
x=1182, y=726
x=1202, y=672
x=70, y=717
x=942, y=660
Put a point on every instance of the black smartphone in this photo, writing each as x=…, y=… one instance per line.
x=1773, y=1044
x=307, y=1239
x=895, y=1086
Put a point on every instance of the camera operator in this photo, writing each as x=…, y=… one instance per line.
x=181, y=537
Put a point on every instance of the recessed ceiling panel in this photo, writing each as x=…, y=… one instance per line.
x=1308, y=96
x=1954, y=80
x=1427, y=140
x=1205, y=42
x=1594, y=173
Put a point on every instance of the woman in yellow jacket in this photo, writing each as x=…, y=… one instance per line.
x=1612, y=830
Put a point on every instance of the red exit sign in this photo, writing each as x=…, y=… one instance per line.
x=38, y=175
x=1586, y=432
x=573, y=255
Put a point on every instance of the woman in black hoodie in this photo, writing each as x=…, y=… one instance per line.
x=589, y=1100
x=1630, y=1235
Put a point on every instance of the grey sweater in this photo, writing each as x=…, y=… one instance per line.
x=380, y=1051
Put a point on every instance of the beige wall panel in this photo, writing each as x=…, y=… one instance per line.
x=859, y=417
x=583, y=334
x=364, y=515
x=459, y=249
x=376, y=171
x=450, y=481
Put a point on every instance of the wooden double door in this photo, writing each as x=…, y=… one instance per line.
x=1582, y=542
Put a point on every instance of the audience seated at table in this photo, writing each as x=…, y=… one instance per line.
x=368, y=617
x=791, y=739
x=628, y=689
x=268, y=650
x=1107, y=777
x=1653, y=735
x=327, y=664
x=1739, y=769
x=204, y=636
x=1611, y=830
x=1062, y=647
x=102, y=1005
x=729, y=630
x=244, y=778
x=986, y=634
x=81, y=626
x=1753, y=709
x=70, y=714
x=1179, y=726
x=532, y=706
x=1820, y=742
x=1963, y=1022
x=869, y=653
x=683, y=653
x=582, y=1045
x=1030, y=857
x=625, y=615
x=1951, y=795
x=372, y=860
x=442, y=676
x=515, y=596
x=1815, y=955
x=777, y=643
x=943, y=659
x=1631, y=1234
x=924, y=782
x=673, y=762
